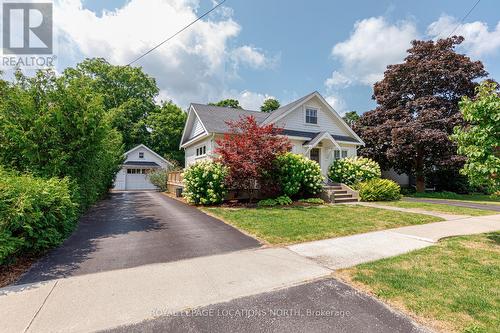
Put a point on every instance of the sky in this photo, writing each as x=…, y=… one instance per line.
x=255, y=49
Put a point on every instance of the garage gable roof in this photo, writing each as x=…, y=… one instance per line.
x=148, y=149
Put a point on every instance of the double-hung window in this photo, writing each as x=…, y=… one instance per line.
x=337, y=154
x=311, y=116
x=200, y=151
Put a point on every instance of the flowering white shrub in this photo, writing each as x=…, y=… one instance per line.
x=298, y=174
x=204, y=183
x=352, y=170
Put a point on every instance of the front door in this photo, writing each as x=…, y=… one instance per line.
x=314, y=155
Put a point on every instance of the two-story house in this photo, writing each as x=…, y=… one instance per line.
x=314, y=128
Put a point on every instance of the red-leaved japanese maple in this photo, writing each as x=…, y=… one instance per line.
x=249, y=150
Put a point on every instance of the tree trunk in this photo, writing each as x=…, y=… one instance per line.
x=419, y=170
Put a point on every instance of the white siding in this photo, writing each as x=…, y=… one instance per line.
x=120, y=180
x=295, y=120
x=401, y=179
x=190, y=152
x=197, y=128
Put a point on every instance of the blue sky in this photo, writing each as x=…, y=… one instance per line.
x=255, y=49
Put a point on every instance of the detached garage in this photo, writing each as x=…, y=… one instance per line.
x=139, y=162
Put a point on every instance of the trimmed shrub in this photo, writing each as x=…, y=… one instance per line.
x=35, y=214
x=352, y=170
x=298, y=174
x=267, y=203
x=204, y=183
x=379, y=190
x=159, y=179
x=316, y=201
x=283, y=200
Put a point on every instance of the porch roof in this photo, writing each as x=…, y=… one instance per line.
x=318, y=138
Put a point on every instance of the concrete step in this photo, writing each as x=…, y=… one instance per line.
x=342, y=196
x=344, y=200
x=339, y=192
x=332, y=188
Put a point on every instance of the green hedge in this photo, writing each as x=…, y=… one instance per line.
x=35, y=214
x=379, y=190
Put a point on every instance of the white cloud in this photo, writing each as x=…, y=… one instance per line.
x=337, y=80
x=337, y=103
x=373, y=44
x=249, y=100
x=479, y=40
x=189, y=68
x=252, y=57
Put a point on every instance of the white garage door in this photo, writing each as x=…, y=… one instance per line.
x=137, y=179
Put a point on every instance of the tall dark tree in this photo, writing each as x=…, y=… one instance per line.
x=128, y=95
x=418, y=109
x=270, y=105
x=166, y=125
x=228, y=103
x=351, y=118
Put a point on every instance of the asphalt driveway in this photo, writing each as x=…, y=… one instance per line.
x=130, y=229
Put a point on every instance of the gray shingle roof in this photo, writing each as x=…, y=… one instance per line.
x=141, y=163
x=214, y=118
x=312, y=135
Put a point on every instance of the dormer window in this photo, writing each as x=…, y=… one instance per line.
x=141, y=155
x=311, y=116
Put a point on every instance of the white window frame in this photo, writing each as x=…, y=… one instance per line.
x=340, y=153
x=141, y=154
x=306, y=108
x=335, y=157
x=202, y=149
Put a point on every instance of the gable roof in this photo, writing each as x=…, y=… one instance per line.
x=214, y=118
x=284, y=109
x=150, y=150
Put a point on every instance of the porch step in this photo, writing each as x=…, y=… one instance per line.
x=339, y=192
x=345, y=200
x=332, y=188
x=342, y=196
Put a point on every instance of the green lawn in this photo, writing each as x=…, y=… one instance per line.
x=455, y=196
x=454, y=286
x=300, y=224
x=442, y=208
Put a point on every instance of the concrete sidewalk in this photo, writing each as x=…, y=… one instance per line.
x=458, y=203
x=108, y=299
x=349, y=251
x=444, y=216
